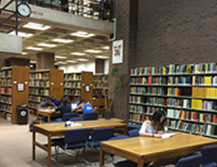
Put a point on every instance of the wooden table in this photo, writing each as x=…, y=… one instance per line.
x=46, y=112
x=59, y=129
x=147, y=149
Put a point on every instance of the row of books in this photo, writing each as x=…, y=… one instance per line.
x=32, y=111
x=72, y=92
x=100, y=78
x=136, y=108
x=37, y=98
x=72, y=84
x=136, y=99
x=6, y=82
x=39, y=83
x=203, y=104
x=6, y=116
x=149, y=70
x=6, y=90
x=6, y=107
x=194, y=128
x=174, y=91
x=204, y=80
x=175, y=69
x=138, y=117
x=34, y=105
x=204, y=92
x=179, y=80
x=6, y=99
x=149, y=80
x=72, y=77
x=100, y=85
x=138, y=90
x=7, y=73
x=174, y=102
x=73, y=99
x=99, y=93
x=44, y=75
x=38, y=91
x=156, y=101
x=192, y=115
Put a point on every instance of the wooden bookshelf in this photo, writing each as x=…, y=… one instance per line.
x=10, y=97
x=43, y=84
x=187, y=93
x=74, y=86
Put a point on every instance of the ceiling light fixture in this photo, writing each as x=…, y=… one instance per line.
x=93, y=51
x=36, y=26
x=47, y=45
x=62, y=62
x=34, y=48
x=82, y=34
x=60, y=57
x=78, y=54
x=83, y=59
x=106, y=47
x=90, y=35
x=24, y=53
x=63, y=40
x=102, y=57
x=22, y=34
x=71, y=61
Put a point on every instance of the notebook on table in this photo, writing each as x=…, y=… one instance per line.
x=73, y=105
x=166, y=135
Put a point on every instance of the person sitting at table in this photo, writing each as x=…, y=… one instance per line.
x=48, y=104
x=64, y=108
x=85, y=107
x=155, y=126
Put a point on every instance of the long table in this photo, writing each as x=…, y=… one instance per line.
x=46, y=112
x=147, y=149
x=59, y=129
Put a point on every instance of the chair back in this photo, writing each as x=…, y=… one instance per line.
x=67, y=116
x=77, y=135
x=191, y=161
x=76, y=119
x=119, y=137
x=100, y=134
x=209, y=154
x=90, y=116
x=134, y=133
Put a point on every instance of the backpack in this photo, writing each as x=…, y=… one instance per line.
x=31, y=125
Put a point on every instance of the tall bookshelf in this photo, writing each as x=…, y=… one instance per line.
x=187, y=93
x=11, y=97
x=74, y=86
x=43, y=84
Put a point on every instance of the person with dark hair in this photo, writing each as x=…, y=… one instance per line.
x=64, y=108
x=85, y=107
x=155, y=126
x=47, y=104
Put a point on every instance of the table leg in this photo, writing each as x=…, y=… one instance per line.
x=49, y=150
x=48, y=118
x=101, y=157
x=37, y=117
x=140, y=163
x=125, y=131
x=33, y=144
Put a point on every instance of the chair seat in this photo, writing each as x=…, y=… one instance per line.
x=95, y=144
x=130, y=127
x=73, y=146
x=128, y=163
x=59, y=141
x=212, y=164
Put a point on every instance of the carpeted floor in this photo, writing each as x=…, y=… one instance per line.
x=16, y=150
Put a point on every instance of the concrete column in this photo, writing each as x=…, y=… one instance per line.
x=44, y=60
x=99, y=66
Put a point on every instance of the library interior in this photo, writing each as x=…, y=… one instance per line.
x=109, y=83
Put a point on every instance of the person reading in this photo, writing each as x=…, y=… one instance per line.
x=85, y=107
x=155, y=126
x=64, y=108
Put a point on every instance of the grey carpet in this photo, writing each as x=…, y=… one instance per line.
x=16, y=150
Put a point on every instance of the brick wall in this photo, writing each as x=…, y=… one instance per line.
x=176, y=31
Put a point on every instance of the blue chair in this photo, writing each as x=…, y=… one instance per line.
x=75, y=139
x=76, y=119
x=67, y=116
x=134, y=133
x=100, y=135
x=191, y=161
x=131, y=127
x=209, y=156
x=90, y=116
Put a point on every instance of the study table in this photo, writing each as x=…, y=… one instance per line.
x=147, y=149
x=59, y=129
x=46, y=112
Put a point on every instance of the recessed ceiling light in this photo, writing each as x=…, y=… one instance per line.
x=22, y=34
x=83, y=59
x=102, y=57
x=47, y=45
x=93, y=51
x=32, y=61
x=24, y=53
x=106, y=47
x=78, y=54
x=36, y=26
x=63, y=40
x=90, y=35
x=60, y=57
x=62, y=62
x=82, y=34
x=34, y=48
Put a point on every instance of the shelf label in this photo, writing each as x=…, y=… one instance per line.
x=15, y=82
x=26, y=82
x=61, y=83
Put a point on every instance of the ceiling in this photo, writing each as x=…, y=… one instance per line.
x=65, y=53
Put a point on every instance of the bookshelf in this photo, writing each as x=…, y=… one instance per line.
x=74, y=86
x=43, y=84
x=186, y=92
x=10, y=96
